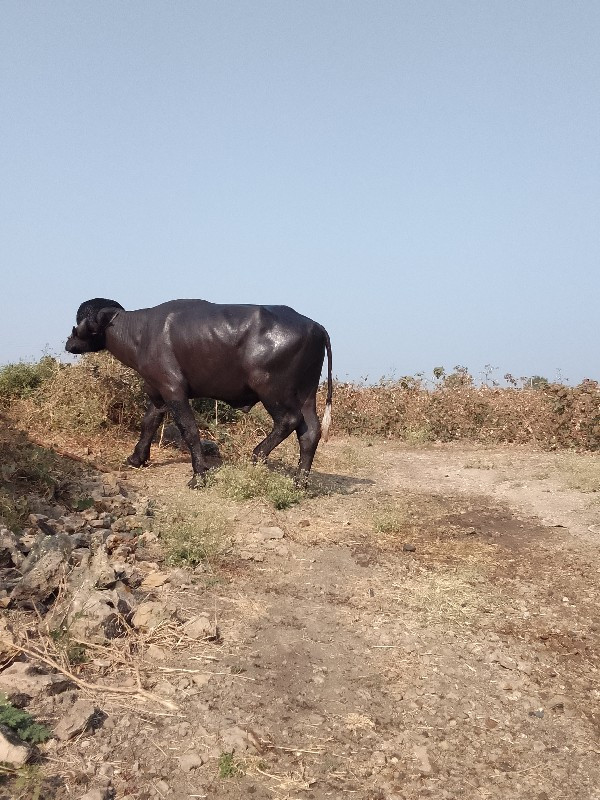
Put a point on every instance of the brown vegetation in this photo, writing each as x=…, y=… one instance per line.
x=99, y=397
x=553, y=416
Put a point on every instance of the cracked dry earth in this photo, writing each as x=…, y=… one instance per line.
x=428, y=626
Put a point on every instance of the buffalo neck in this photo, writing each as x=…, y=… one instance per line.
x=122, y=338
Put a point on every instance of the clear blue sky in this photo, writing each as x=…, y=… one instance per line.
x=423, y=178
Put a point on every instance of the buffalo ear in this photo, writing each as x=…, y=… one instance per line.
x=103, y=318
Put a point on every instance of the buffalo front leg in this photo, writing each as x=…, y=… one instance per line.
x=186, y=422
x=152, y=418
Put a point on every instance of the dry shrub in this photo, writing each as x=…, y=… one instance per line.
x=553, y=416
x=98, y=392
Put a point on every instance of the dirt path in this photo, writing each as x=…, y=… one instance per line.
x=421, y=630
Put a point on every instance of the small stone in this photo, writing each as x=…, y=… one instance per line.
x=304, y=523
x=470, y=531
x=78, y=719
x=201, y=627
x=201, y=680
x=12, y=749
x=154, y=580
x=149, y=615
x=97, y=794
x=557, y=703
x=422, y=757
x=235, y=738
x=408, y=547
x=23, y=678
x=156, y=653
x=190, y=761
x=271, y=533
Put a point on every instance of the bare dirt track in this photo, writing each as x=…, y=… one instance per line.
x=424, y=624
x=428, y=626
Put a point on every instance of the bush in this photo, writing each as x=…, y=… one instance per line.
x=21, y=380
x=551, y=416
x=96, y=393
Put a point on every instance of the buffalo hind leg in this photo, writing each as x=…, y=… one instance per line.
x=309, y=435
x=186, y=422
x=155, y=413
x=284, y=422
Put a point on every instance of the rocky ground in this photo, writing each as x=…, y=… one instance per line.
x=424, y=624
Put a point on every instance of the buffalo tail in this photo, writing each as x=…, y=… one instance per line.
x=326, y=421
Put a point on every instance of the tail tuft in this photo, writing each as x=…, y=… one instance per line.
x=326, y=422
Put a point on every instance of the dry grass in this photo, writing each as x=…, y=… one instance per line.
x=29, y=469
x=580, y=471
x=245, y=481
x=202, y=537
x=98, y=395
x=443, y=596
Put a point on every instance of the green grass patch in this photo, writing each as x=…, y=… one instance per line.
x=22, y=723
x=249, y=481
x=390, y=519
x=202, y=538
x=229, y=767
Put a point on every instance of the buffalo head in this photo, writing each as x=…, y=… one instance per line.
x=93, y=318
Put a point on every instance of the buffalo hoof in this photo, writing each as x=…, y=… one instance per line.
x=134, y=461
x=198, y=480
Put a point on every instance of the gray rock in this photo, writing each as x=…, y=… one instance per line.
x=149, y=615
x=44, y=568
x=98, y=794
x=271, y=533
x=201, y=627
x=10, y=554
x=78, y=719
x=12, y=749
x=190, y=761
x=23, y=678
x=93, y=615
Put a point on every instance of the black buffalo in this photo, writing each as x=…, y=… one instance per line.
x=241, y=354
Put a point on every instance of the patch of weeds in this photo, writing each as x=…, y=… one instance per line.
x=32, y=465
x=229, y=767
x=22, y=723
x=390, y=519
x=75, y=652
x=83, y=504
x=13, y=510
x=255, y=481
x=203, y=538
x=30, y=783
